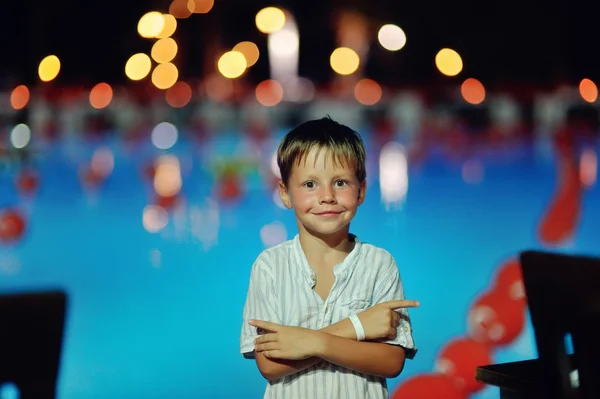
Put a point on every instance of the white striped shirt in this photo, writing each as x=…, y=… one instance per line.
x=281, y=291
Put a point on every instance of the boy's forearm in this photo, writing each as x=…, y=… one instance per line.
x=371, y=358
x=273, y=369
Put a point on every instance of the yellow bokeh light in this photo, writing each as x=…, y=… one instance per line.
x=344, y=61
x=202, y=6
x=270, y=19
x=250, y=52
x=138, y=66
x=151, y=24
x=588, y=90
x=448, y=62
x=232, y=64
x=165, y=75
x=164, y=50
x=49, y=68
x=169, y=27
x=473, y=91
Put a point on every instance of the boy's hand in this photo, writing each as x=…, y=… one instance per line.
x=380, y=321
x=286, y=342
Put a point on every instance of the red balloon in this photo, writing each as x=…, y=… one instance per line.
x=167, y=202
x=562, y=215
x=230, y=187
x=27, y=182
x=91, y=178
x=459, y=359
x=509, y=280
x=496, y=319
x=428, y=386
x=12, y=225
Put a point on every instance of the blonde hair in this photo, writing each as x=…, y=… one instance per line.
x=344, y=144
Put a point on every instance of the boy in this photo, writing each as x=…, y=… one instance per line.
x=300, y=317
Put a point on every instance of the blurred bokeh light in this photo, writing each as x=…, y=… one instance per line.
x=164, y=50
x=269, y=93
x=138, y=66
x=165, y=75
x=19, y=97
x=232, y=64
x=588, y=90
x=367, y=92
x=448, y=62
x=151, y=24
x=249, y=50
x=101, y=95
x=270, y=19
x=49, y=68
x=473, y=91
x=391, y=37
x=344, y=61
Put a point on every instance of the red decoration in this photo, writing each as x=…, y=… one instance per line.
x=229, y=187
x=495, y=319
x=90, y=178
x=12, y=225
x=167, y=202
x=27, y=182
x=561, y=219
x=459, y=359
x=509, y=280
x=428, y=386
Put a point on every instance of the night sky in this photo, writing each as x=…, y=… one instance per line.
x=500, y=42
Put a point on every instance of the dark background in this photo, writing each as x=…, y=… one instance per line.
x=541, y=43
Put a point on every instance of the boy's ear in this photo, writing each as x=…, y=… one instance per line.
x=283, y=194
x=362, y=192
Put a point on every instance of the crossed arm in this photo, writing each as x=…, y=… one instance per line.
x=286, y=350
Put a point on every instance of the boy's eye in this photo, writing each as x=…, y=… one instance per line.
x=341, y=183
x=309, y=184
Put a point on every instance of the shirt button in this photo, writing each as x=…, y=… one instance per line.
x=405, y=328
x=313, y=277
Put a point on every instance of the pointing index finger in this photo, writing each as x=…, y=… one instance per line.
x=265, y=325
x=402, y=303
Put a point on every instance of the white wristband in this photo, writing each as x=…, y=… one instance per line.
x=360, y=331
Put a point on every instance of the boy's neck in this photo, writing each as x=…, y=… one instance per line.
x=318, y=247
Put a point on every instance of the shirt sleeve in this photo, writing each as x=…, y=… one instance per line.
x=390, y=288
x=261, y=304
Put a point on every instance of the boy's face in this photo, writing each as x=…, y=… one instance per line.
x=324, y=196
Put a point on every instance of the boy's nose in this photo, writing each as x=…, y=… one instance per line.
x=327, y=196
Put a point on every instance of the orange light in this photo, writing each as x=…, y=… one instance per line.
x=19, y=97
x=473, y=91
x=367, y=92
x=203, y=6
x=101, y=95
x=269, y=93
x=179, y=95
x=588, y=90
x=180, y=9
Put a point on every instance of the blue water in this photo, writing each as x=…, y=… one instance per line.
x=156, y=315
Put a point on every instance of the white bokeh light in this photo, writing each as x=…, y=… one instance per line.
x=20, y=135
x=155, y=218
x=164, y=135
x=393, y=173
x=391, y=37
x=273, y=234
